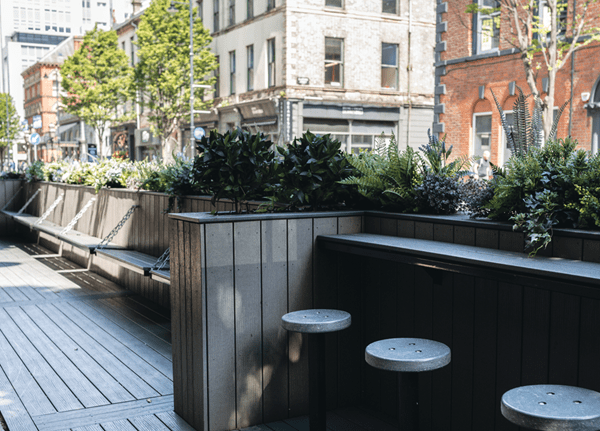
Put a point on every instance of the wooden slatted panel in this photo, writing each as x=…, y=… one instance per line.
x=275, y=304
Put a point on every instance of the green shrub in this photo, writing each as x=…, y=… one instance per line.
x=309, y=172
x=236, y=165
x=34, y=172
x=547, y=187
x=438, y=194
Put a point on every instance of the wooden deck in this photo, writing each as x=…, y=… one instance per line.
x=78, y=352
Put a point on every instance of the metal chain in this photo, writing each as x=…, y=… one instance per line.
x=117, y=228
x=49, y=210
x=29, y=201
x=80, y=214
x=163, y=260
x=12, y=199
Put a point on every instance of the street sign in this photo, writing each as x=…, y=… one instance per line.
x=37, y=122
x=199, y=133
x=34, y=139
x=24, y=125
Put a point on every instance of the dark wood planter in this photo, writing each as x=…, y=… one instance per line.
x=233, y=277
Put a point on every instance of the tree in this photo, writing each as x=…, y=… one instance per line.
x=163, y=71
x=9, y=123
x=97, y=79
x=540, y=31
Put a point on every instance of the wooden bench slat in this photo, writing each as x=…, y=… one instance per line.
x=133, y=260
x=558, y=269
x=162, y=276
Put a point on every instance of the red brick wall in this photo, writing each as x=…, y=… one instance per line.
x=463, y=80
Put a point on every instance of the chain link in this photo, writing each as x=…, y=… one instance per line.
x=117, y=228
x=49, y=210
x=163, y=261
x=80, y=214
x=29, y=201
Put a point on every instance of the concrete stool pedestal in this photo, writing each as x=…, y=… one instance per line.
x=316, y=323
x=552, y=408
x=408, y=357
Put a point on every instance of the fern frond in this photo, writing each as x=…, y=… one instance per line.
x=552, y=134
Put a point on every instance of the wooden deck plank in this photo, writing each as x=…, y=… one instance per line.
x=149, y=313
x=138, y=330
x=174, y=421
x=104, y=414
x=80, y=386
x=52, y=385
x=90, y=366
x=13, y=410
x=148, y=423
x=132, y=382
x=161, y=362
x=121, y=425
x=30, y=393
x=159, y=381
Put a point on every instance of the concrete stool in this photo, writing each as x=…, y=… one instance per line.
x=316, y=323
x=408, y=357
x=552, y=407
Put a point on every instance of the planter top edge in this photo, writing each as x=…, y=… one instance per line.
x=206, y=218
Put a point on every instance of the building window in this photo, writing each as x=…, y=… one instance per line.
x=132, y=51
x=488, y=26
x=389, y=66
x=200, y=9
x=217, y=73
x=389, y=6
x=334, y=3
x=232, y=72
x=231, y=12
x=271, y=62
x=545, y=18
x=250, y=76
x=216, y=15
x=250, y=9
x=270, y=4
x=334, y=61
x=483, y=133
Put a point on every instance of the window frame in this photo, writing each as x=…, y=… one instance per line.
x=249, y=9
x=390, y=13
x=232, y=67
x=271, y=62
x=217, y=75
x=250, y=67
x=335, y=6
x=216, y=15
x=231, y=11
x=387, y=66
x=339, y=83
x=479, y=18
x=474, y=125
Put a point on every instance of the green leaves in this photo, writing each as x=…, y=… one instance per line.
x=9, y=121
x=162, y=74
x=97, y=79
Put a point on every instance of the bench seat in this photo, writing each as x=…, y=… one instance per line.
x=85, y=242
x=463, y=258
x=161, y=275
x=135, y=261
x=24, y=219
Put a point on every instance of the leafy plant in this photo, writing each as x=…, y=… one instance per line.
x=177, y=180
x=438, y=194
x=527, y=130
x=235, y=165
x=309, y=172
x=437, y=156
x=34, y=171
x=387, y=177
x=475, y=196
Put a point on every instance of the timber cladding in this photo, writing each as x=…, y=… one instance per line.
x=8, y=189
x=230, y=284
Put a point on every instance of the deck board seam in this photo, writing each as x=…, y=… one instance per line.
x=91, y=297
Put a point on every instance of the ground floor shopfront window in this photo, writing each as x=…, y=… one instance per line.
x=355, y=135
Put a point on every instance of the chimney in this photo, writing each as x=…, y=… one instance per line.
x=137, y=5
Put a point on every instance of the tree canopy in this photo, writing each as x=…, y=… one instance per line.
x=9, y=124
x=98, y=80
x=163, y=71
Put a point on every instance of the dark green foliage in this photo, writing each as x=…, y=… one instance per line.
x=309, y=172
x=438, y=194
x=546, y=188
x=387, y=177
x=527, y=129
x=176, y=180
x=236, y=165
x=475, y=195
x=436, y=159
x=34, y=171
x=6, y=175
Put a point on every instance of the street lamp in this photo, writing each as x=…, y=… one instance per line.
x=173, y=10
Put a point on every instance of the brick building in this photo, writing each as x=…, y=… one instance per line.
x=470, y=62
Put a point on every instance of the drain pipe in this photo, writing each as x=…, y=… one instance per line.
x=408, y=70
x=572, y=74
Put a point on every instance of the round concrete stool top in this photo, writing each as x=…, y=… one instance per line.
x=552, y=407
x=407, y=354
x=316, y=321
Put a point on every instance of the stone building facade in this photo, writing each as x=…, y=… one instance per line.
x=353, y=68
x=470, y=64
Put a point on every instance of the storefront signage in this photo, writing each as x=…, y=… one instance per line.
x=145, y=136
x=352, y=110
x=37, y=122
x=303, y=81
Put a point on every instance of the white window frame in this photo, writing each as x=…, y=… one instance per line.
x=479, y=28
x=474, y=133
